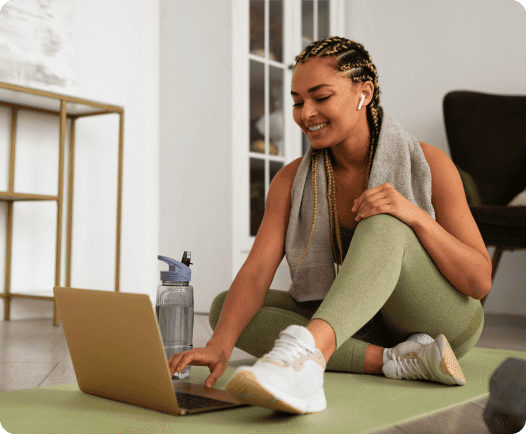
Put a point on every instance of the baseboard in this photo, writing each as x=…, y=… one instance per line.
x=501, y=320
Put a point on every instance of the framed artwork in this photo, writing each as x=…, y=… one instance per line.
x=36, y=45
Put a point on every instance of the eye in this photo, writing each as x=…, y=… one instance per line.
x=319, y=100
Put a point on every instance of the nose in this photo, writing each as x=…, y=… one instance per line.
x=308, y=111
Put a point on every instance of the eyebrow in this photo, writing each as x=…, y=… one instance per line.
x=312, y=89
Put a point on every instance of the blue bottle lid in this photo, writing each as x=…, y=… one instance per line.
x=178, y=272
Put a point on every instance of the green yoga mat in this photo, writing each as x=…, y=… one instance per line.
x=355, y=404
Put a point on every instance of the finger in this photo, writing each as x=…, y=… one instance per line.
x=192, y=358
x=175, y=359
x=214, y=376
x=358, y=203
x=211, y=380
x=180, y=354
x=361, y=209
x=368, y=193
x=361, y=203
x=379, y=207
x=184, y=362
x=379, y=198
x=175, y=362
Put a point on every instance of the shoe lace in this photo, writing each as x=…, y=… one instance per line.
x=287, y=348
x=408, y=369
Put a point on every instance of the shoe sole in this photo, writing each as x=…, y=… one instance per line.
x=245, y=388
x=449, y=363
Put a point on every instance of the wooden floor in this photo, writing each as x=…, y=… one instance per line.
x=34, y=353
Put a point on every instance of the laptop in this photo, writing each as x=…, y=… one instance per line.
x=117, y=353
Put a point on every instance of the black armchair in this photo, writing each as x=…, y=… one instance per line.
x=487, y=140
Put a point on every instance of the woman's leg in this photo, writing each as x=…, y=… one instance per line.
x=279, y=310
x=388, y=288
x=387, y=270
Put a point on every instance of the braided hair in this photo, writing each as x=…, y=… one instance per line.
x=354, y=60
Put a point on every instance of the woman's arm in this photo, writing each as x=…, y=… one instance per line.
x=465, y=267
x=243, y=301
x=249, y=289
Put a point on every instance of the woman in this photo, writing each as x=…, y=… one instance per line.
x=405, y=301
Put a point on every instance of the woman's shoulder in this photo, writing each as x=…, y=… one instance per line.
x=288, y=172
x=430, y=150
x=434, y=156
x=292, y=168
x=282, y=183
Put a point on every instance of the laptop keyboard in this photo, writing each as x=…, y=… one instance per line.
x=188, y=401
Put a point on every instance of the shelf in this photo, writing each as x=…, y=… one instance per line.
x=23, y=98
x=49, y=102
x=35, y=295
x=7, y=196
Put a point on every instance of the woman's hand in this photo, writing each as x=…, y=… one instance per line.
x=211, y=356
x=385, y=199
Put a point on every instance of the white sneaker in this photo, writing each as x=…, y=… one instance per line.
x=288, y=378
x=412, y=360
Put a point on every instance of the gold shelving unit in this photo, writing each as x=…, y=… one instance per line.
x=24, y=98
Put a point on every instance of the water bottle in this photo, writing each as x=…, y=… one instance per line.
x=175, y=309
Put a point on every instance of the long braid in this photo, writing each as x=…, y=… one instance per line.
x=332, y=207
x=330, y=189
x=354, y=60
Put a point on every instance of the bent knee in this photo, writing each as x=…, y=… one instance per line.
x=385, y=223
x=215, y=309
x=382, y=220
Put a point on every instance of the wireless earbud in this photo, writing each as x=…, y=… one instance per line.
x=361, y=102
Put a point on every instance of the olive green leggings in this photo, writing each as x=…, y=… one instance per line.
x=387, y=289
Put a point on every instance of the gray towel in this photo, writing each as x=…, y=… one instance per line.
x=398, y=160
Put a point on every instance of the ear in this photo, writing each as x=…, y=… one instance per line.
x=368, y=91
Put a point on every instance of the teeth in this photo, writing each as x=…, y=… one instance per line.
x=317, y=127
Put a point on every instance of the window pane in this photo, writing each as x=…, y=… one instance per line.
x=307, y=24
x=257, y=106
x=257, y=27
x=275, y=30
x=257, y=194
x=323, y=19
x=276, y=120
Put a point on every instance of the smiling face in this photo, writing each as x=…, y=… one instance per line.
x=326, y=104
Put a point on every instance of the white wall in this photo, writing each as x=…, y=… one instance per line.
x=196, y=142
x=117, y=62
x=423, y=49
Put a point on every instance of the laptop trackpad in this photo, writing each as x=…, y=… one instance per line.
x=208, y=392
